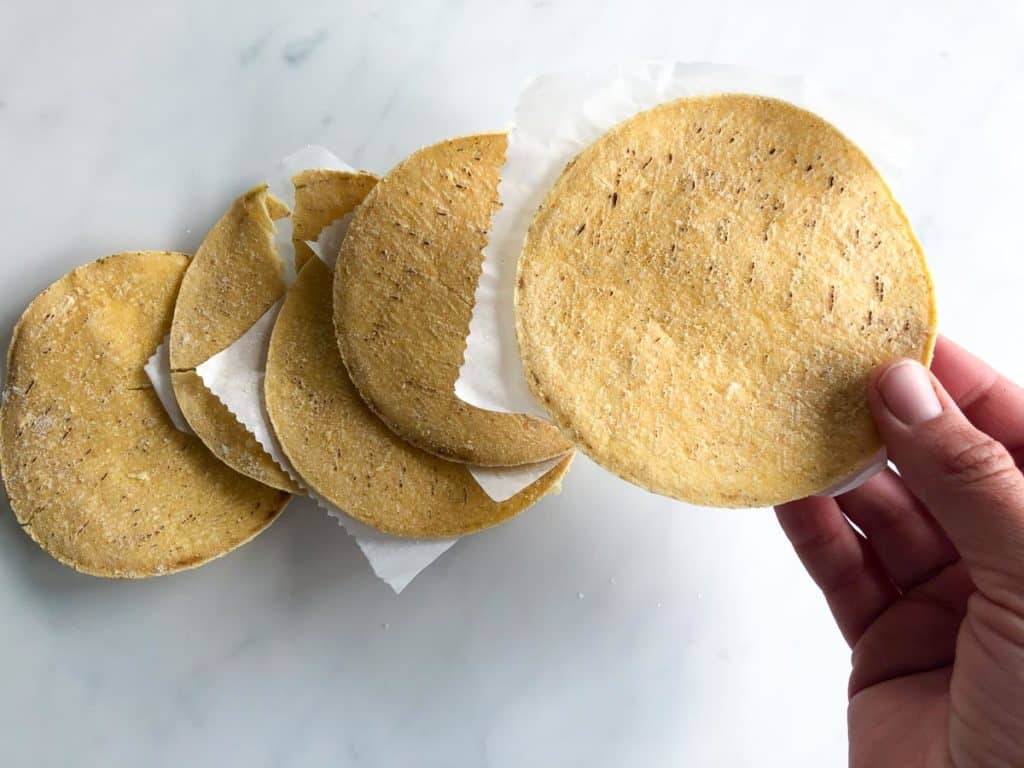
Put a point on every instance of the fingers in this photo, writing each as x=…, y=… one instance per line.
x=917, y=634
x=991, y=402
x=966, y=479
x=840, y=563
x=909, y=544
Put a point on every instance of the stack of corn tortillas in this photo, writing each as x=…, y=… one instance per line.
x=700, y=300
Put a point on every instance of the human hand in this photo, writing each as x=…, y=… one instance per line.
x=931, y=598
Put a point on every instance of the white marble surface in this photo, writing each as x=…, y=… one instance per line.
x=606, y=627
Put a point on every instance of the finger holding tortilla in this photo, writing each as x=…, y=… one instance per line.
x=704, y=292
x=349, y=456
x=233, y=279
x=96, y=473
x=403, y=297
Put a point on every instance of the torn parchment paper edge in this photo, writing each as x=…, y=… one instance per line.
x=558, y=116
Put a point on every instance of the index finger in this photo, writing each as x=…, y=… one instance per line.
x=991, y=402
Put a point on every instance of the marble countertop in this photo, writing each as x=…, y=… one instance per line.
x=605, y=627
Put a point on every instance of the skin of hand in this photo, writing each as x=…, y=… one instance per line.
x=931, y=597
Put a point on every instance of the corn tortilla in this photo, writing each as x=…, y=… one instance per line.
x=345, y=453
x=95, y=471
x=322, y=197
x=403, y=297
x=704, y=292
x=234, y=278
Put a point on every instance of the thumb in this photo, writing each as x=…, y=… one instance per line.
x=967, y=480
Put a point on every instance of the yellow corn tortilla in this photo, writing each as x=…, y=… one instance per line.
x=403, y=297
x=234, y=278
x=95, y=471
x=704, y=292
x=345, y=453
x=322, y=197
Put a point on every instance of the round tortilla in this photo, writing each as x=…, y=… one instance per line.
x=233, y=279
x=96, y=472
x=403, y=297
x=704, y=292
x=345, y=453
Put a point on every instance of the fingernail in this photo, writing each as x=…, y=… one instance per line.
x=907, y=391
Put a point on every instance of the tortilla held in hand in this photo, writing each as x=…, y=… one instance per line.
x=234, y=278
x=704, y=293
x=403, y=296
x=348, y=456
x=96, y=473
